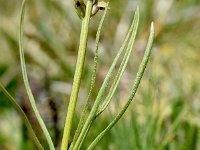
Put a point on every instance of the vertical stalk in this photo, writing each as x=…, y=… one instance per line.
x=77, y=75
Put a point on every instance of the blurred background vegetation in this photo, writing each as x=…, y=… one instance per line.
x=165, y=113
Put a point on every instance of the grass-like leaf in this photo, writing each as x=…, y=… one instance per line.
x=23, y=115
x=133, y=91
x=105, y=84
x=26, y=82
x=121, y=69
x=93, y=78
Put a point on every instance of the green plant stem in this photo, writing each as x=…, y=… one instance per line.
x=23, y=116
x=133, y=91
x=86, y=107
x=104, y=86
x=26, y=82
x=77, y=75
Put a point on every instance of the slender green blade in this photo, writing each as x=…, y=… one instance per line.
x=133, y=91
x=26, y=82
x=121, y=68
x=23, y=115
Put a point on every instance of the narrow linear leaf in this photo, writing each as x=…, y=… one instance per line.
x=104, y=86
x=86, y=107
x=23, y=115
x=133, y=91
x=121, y=69
x=26, y=82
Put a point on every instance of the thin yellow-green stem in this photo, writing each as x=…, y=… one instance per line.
x=77, y=75
x=23, y=116
x=86, y=107
x=26, y=82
